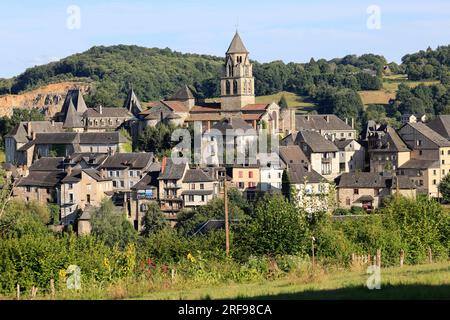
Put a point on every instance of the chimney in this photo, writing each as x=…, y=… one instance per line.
x=346, y=121
x=327, y=118
x=353, y=123
x=100, y=109
x=53, y=123
x=163, y=164
x=29, y=129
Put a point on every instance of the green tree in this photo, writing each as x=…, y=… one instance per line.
x=277, y=227
x=283, y=103
x=444, y=188
x=111, y=226
x=154, y=220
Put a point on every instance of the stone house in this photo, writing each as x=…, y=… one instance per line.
x=351, y=155
x=312, y=191
x=322, y=154
x=247, y=179
x=327, y=125
x=198, y=188
x=41, y=181
x=170, y=187
x=369, y=189
x=387, y=151
x=22, y=134
x=425, y=174
x=80, y=188
x=143, y=194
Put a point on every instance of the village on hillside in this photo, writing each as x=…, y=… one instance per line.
x=83, y=155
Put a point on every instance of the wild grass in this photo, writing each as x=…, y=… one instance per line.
x=426, y=281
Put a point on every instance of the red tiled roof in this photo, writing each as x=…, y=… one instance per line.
x=204, y=117
x=255, y=107
x=205, y=109
x=252, y=116
x=176, y=106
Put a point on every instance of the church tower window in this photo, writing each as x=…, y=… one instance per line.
x=235, y=87
x=227, y=89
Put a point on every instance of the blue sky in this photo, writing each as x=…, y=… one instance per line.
x=35, y=32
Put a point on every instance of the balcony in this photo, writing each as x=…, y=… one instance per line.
x=172, y=186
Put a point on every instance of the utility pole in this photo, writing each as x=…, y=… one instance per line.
x=227, y=227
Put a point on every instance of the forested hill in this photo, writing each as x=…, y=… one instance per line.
x=156, y=73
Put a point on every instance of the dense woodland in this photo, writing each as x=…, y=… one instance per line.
x=332, y=85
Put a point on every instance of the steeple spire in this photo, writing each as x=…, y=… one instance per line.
x=237, y=46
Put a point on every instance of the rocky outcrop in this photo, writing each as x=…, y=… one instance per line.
x=49, y=98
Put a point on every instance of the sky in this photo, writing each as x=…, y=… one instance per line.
x=37, y=32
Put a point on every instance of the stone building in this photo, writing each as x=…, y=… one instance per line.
x=369, y=189
x=198, y=188
x=387, y=151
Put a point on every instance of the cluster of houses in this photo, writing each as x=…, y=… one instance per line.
x=81, y=156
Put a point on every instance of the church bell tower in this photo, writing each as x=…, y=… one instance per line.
x=237, y=85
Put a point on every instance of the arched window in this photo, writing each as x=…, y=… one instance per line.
x=230, y=70
x=227, y=89
x=235, y=87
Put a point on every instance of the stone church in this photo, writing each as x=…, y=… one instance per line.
x=237, y=100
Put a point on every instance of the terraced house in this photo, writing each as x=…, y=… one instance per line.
x=431, y=153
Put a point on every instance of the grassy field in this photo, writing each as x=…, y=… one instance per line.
x=293, y=100
x=410, y=282
x=391, y=83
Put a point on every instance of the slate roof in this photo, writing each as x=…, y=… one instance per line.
x=315, y=141
x=73, y=118
x=132, y=103
x=101, y=137
x=441, y=124
x=196, y=175
x=236, y=45
x=361, y=180
x=95, y=174
x=319, y=122
x=77, y=99
x=89, y=157
x=48, y=164
x=370, y=180
x=73, y=177
x=46, y=179
x=107, y=113
x=232, y=123
x=133, y=160
x=430, y=134
x=172, y=171
x=19, y=132
x=292, y=154
x=81, y=138
x=299, y=174
x=149, y=181
x=389, y=140
x=343, y=143
x=420, y=164
x=183, y=94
